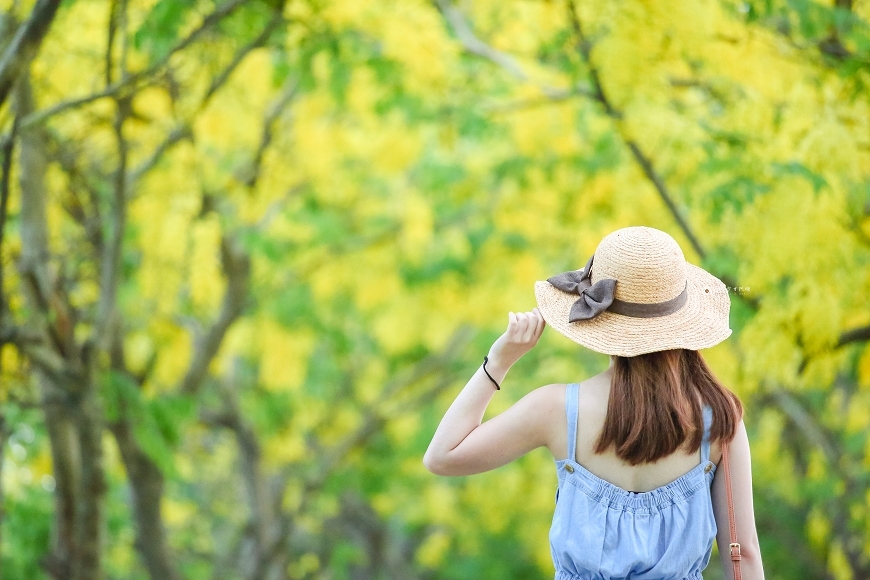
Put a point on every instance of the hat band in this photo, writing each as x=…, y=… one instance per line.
x=597, y=298
x=654, y=310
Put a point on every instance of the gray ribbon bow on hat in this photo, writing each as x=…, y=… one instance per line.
x=594, y=298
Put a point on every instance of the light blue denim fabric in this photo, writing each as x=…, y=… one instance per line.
x=603, y=532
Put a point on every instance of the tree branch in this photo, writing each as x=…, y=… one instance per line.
x=259, y=40
x=530, y=103
x=854, y=335
x=375, y=417
x=642, y=159
x=821, y=438
x=130, y=84
x=237, y=267
x=110, y=261
x=463, y=31
x=145, y=476
x=178, y=134
x=287, y=94
x=806, y=423
x=39, y=116
x=263, y=499
x=34, y=238
x=376, y=413
x=475, y=45
x=88, y=215
x=114, y=8
x=25, y=44
x=183, y=130
x=145, y=479
x=5, y=432
x=8, y=149
x=146, y=482
x=90, y=426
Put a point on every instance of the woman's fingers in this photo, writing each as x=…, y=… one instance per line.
x=523, y=331
x=539, y=329
x=522, y=326
x=529, y=335
x=525, y=327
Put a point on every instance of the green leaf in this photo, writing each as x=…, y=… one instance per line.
x=159, y=32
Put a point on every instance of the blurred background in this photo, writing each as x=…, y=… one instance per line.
x=252, y=250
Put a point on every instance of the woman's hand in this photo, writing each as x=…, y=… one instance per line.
x=522, y=334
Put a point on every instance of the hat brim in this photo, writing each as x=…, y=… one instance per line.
x=702, y=322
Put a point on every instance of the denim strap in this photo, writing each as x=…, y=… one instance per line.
x=571, y=409
x=705, y=442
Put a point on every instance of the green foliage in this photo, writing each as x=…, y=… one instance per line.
x=26, y=531
x=394, y=189
x=159, y=32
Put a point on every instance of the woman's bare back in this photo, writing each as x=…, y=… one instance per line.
x=592, y=410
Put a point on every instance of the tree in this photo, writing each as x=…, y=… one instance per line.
x=251, y=250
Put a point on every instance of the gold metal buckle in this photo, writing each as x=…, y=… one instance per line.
x=734, y=545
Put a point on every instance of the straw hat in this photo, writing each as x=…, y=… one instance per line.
x=637, y=294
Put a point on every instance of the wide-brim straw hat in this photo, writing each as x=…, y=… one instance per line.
x=639, y=296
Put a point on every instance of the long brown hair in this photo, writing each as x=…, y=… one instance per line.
x=654, y=406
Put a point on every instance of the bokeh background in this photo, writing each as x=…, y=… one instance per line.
x=252, y=250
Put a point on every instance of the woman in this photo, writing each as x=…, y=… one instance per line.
x=637, y=447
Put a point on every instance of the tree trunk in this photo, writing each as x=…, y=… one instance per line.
x=90, y=425
x=146, y=484
x=72, y=413
x=61, y=563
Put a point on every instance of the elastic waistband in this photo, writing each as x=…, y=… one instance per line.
x=563, y=575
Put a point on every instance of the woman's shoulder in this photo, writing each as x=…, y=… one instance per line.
x=588, y=390
x=553, y=393
x=552, y=403
x=590, y=394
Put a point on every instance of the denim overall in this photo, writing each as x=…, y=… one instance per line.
x=603, y=532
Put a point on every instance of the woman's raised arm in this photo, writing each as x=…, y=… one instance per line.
x=462, y=445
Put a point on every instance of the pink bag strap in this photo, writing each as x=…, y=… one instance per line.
x=734, y=547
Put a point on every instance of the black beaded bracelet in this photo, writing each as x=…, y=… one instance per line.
x=486, y=360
